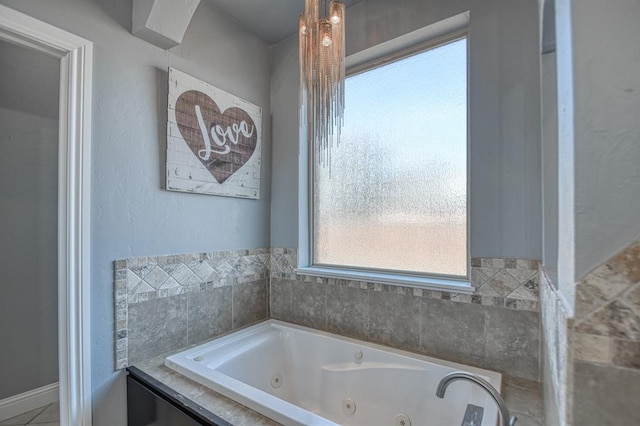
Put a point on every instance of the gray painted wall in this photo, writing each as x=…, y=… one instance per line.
x=504, y=117
x=131, y=215
x=550, y=166
x=29, y=80
x=28, y=219
x=606, y=76
x=599, y=129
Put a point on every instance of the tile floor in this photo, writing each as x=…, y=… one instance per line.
x=49, y=415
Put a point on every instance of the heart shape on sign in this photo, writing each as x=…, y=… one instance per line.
x=222, y=141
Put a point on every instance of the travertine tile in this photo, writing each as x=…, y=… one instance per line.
x=511, y=263
x=453, y=331
x=309, y=304
x=522, y=275
x=304, y=301
x=605, y=395
x=395, y=320
x=480, y=275
x=249, y=303
x=626, y=353
x=524, y=400
x=533, y=285
x=202, y=269
x=503, y=283
x=487, y=290
x=512, y=342
x=522, y=293
x=157, y=326
x=348, y=311
x=593, y=292
x=209, y=314
x=632, y=298
x=593, y=348
x=627, y=263
x=614, y=319
x=185, y=276
x=156, y=277
x=280, y=299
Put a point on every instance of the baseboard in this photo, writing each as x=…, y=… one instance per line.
x=18, y=404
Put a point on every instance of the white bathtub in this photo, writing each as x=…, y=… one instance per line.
x=300, y=376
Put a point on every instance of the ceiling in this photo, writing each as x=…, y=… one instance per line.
x=271, y=20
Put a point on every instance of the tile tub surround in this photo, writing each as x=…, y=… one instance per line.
x=167, y=302
x=606, y=373
x=492, y=330
x=593, y=358
x=607, y=325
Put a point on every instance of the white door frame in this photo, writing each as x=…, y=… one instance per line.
x=74, y=203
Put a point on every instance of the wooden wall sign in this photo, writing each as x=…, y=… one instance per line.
x=213, y=140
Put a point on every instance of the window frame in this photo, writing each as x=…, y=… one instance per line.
x=446, y=32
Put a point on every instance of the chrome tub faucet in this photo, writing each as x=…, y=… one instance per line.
x=461, y=375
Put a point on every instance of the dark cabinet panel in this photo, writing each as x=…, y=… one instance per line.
x=150, y=403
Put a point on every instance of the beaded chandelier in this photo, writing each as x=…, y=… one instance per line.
x=322, y=75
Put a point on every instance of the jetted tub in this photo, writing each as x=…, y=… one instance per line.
x=300, y=376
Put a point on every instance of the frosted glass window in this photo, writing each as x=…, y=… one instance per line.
x=395, y=198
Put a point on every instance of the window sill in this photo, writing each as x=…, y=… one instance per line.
x=428, y=283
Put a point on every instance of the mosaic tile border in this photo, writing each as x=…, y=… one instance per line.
x=508, y=283
x=607, y=319
x=140, y=279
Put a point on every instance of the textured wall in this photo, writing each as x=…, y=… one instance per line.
x=606, y=66
x=131, y=214
x=549, y=166
x=505, y=194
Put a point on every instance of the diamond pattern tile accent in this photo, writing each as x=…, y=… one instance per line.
x=487, y=290
x=633, y=298
x=593, y=292
x=480, y=275
x=522, y=293
x=156, y=277
x=202, y=269
x=503, y=283
x=142, y=287
x=132, y=280
x=170, y=283
x=522, y=275
x=616, y=319
x=224, y=269
x=185, y=276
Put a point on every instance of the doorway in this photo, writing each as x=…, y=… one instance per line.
x=71, y=154
x=29, y=95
